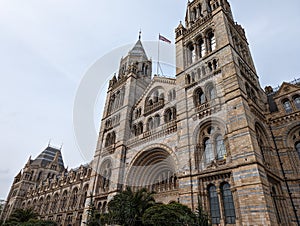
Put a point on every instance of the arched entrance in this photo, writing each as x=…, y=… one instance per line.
x=153, y=169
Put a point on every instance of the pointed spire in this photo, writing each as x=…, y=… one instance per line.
x=28, y=162
x=47, y=156
x=18, y=176
x=138, y=50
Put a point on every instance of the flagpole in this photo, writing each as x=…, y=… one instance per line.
x=158, y=55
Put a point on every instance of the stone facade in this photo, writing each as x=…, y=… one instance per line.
x=211, y=134
x=52, y=191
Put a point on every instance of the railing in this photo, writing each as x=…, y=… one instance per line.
x=155, y=107
x=209, y=107
x=160, y=131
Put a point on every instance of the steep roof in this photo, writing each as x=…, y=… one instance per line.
x=138, y=50
x=47, y=156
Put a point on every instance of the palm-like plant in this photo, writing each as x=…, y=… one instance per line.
x=23, y=215
x=128, y=207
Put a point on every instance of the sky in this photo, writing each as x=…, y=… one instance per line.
x=48, y=46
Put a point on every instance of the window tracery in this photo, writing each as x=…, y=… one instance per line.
x=214, y=205
x=297, y=102
x=110, y=139
x=199, y=97
x=287, y=106
x=229, y=210
x=170, y=115
x=105, y=176
x=211, y=148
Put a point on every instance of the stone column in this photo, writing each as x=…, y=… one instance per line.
x=222, y=213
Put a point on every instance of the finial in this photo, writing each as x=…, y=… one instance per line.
x=49, y=143
x=140, y=34
x=61, y=146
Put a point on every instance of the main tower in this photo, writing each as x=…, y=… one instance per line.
x=224, y=137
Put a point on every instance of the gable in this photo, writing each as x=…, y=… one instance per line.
x=285, y=89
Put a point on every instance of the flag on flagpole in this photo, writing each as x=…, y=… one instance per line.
x=162, y=38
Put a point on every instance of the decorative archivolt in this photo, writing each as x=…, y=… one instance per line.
x=154, y=169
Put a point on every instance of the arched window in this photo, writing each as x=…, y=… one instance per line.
x=187, y=79
x=211, y=42
x=262, y=143
x=228, y=203
x=211, y=92
x=156, y=95
x=210, y=66
x=191, y=54
x=64, y=200
x=297, y=102
x=150, y=124
x=297, y=147
x=170, y=114
x=107, y=141
x=106, y=174
x=195, y=13
x=208, y=149
x=212, y=145
x=54, y=203
x=199, y=97
x=74, y=198
x=215, y=64
x=140, y=128
x=83, y=196
x=134, y=130
x=110, y=139
x=202, y=49
x=214, y=205
x=275, y=203
x=156, y=121
x=287, y=106
x=220, y=147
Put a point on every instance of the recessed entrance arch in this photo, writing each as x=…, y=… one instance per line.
x=153, y=169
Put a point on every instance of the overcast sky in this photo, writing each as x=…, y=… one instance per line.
x=47, y=46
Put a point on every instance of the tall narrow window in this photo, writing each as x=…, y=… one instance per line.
x=201, y=48
x=274, y=197
x=297, y=102
x=156, y=121
x=297, y=146
x=220, y=147
x=150, y=124
x=156, y=94
x=229, y=209
x=214, y=205
x=199, y=97
x=208, y=150
x=191, y=54
x=212, y=41
x=287, y=106
x=211, y=92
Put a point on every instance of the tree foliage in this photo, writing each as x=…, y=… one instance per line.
x=173, y=214
x=128, y=207
x=93, y=214
x=26, y=217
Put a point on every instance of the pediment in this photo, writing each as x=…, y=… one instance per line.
x=157, y=83
x=285, y=89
